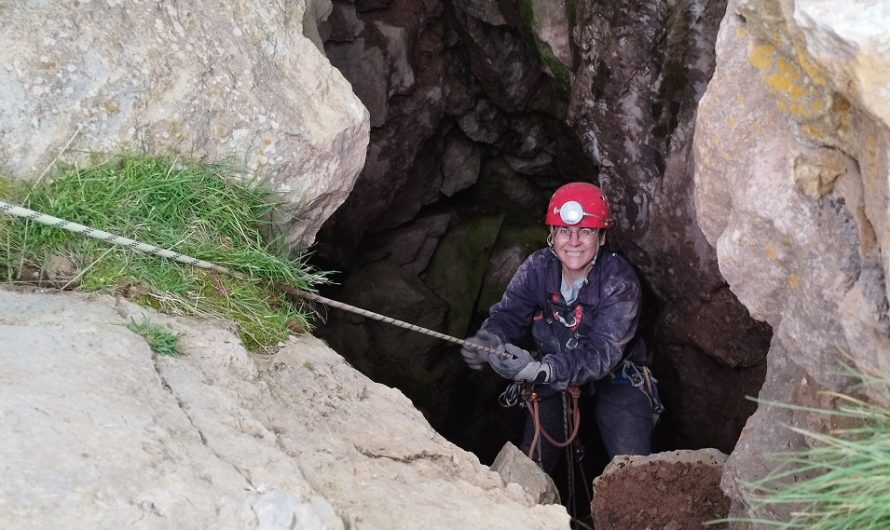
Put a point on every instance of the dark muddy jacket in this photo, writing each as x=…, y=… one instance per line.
x=605, y=317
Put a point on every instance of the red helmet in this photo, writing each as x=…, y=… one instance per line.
x=579, y=204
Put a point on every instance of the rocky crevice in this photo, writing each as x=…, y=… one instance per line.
x=443, y=210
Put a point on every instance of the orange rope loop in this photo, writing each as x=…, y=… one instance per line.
x=532, y=401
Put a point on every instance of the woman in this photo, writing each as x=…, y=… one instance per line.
x=583, y=306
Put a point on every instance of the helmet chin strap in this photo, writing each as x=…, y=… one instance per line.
x=593, y=261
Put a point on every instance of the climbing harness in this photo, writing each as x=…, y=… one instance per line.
x=42, y=218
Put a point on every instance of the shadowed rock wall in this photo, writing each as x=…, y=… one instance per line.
x=642, y=69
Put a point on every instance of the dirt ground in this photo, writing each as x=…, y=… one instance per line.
x=659, y=496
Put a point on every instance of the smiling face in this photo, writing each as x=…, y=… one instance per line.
x=576, y=248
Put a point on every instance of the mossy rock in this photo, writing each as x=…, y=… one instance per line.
x=458, y=266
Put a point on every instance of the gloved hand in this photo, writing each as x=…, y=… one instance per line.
x=519, y=365
x=476, y=358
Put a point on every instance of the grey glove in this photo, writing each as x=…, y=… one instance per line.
x=476, y=358
x=519, y=365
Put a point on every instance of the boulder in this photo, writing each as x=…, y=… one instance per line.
x=515, y=466
x=675, y=490
x=209, y=80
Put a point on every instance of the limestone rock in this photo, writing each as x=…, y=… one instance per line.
x=515, y=466
x=504, y=65
x=505, y=259
x=851, y=45
x=410, y=247
x=484, y=123
x=100, y=433
x=233, y=80
x=376, y=60
x=402, y=70
x=791, y=188
x=487, y=11
x=342, y=24
x=550, y=21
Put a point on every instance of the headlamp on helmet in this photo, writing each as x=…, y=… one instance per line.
x=571, y=213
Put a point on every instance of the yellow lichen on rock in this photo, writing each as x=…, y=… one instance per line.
x=802, y=91
x=798, y=93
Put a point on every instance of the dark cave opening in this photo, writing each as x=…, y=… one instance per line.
x=471, y=134
x=461, y=404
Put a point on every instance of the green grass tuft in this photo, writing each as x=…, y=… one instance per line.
x=200, y=210
x=844, y=480
x=159, y=339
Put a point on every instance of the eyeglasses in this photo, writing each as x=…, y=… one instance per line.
x=585, y=235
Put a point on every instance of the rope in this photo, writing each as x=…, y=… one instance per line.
x=42, y=218
x=570, y=454
x=532, y=402
x=382, y=318
x=571, y=422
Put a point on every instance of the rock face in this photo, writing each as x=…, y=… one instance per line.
x=99, y=433
x=447, y=91
x=791, y=153
x=233, y=80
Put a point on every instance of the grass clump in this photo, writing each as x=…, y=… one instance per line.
x=844, y=480
x=199, y=210
x=161, y=341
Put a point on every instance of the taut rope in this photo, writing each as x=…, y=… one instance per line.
x=42, y=218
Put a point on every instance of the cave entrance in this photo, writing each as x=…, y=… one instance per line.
x=472, y=130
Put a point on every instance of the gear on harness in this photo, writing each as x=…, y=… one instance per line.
x=568, y=315
x=641, y=378
x=510, y=396
x=542, y=330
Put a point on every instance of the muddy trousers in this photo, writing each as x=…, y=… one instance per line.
x=623, y=415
